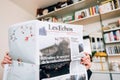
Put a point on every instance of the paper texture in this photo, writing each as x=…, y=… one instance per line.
x=45, y=51
x=78, y=71
x=22, y=42
x=87, y=46
x=21, y=71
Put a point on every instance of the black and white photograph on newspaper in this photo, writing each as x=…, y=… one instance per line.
x=54, y=70
x=57, y=49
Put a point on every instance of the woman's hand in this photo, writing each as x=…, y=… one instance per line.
x=86, y=60
x=7, y=60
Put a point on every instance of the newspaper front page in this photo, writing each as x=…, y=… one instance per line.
x=61, y=52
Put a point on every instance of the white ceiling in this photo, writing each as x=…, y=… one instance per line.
x=32, y=5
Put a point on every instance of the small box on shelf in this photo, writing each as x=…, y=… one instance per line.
x=114, y=66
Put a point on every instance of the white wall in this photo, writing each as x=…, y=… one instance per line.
x=10, y=14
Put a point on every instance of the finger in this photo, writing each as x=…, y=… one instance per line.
x=87, y=61
x=7, y=57
x=7, y=61
x=4, y=62
x=82, y=62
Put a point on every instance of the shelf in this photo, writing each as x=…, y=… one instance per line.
x=112, y=42
x=117, y=28
x=101, y=72
x=86, y=20
x=111, y=14
x=96, y=18
x=113, y=55
x=107, y=72
x=70, y=8
x=115, y=72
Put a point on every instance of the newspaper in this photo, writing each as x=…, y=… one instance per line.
x=61, y=52
x=22, y=49
x=45, y=50
x=21, y=71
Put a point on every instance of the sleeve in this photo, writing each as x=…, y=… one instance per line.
x=89, y=73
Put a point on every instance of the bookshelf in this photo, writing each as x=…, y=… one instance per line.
x=70, y=8
x=83, y=4
x=96, y=18
x=73, y=8
x=112, y=42
x=112, y=38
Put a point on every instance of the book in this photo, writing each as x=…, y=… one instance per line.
x=105, y=7
x=81, y=14
x=45, y=51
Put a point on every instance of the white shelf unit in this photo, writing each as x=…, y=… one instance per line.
x=113, y=45
x=113, y=48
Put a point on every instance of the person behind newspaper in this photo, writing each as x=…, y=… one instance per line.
x=85, y=61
